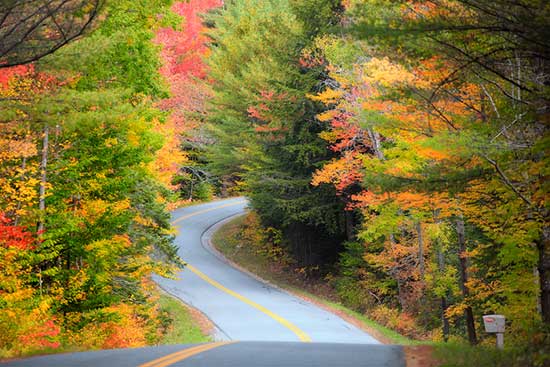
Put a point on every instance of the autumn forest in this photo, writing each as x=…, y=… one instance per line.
x=396, y=150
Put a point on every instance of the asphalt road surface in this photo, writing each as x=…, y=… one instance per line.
x=256, y=324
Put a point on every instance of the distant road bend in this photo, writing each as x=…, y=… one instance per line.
x=256, y=324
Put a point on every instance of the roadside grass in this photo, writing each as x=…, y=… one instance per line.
x=459, y=355
x=226, y=241
x=181, y=327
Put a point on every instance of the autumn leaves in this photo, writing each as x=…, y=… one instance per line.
x=412, y=130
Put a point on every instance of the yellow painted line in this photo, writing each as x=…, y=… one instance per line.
x=207, y=210
x=299, y=333
x=182, y=354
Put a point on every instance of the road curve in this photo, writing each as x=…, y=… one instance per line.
x=258, y=325
x=242, y=307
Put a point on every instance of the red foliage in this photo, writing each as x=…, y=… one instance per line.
x=257, y=112
x=183, y=66
x=34, y=81
x=6, y=74
x=42, y=336
x=183, y=51
x=14, y=236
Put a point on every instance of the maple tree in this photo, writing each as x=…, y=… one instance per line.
x=184, y=67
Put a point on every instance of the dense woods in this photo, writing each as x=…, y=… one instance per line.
x=398, y=149
x=401, y=146
x=83, y=187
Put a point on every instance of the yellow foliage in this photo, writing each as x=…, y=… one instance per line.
x=110, y=142
x=385, y=73
x=328, y=96
x=326, y=116
x=329, y=136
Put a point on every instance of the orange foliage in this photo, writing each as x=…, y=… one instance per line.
x=127, y=332
x=341, y=172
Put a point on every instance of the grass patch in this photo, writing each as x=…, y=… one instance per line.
x=180, y=325
x=227, y=241
x=459, y=355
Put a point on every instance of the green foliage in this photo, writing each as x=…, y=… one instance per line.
x=85, y=283
x=203, y=192
x=120, y=53
x=534, y=354
x=267, y=139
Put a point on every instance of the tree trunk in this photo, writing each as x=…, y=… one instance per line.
x=43, y=181
x=441, y=267
x=19, y=203
x=376, y=144
x=543, y=245
x=470, y=324
x=444, y=319
x=395, y=272
x=421, y=264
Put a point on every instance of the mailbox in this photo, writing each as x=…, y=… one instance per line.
x=494, y=323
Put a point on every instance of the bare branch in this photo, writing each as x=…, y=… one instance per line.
x=507, y=180
x=30, y=30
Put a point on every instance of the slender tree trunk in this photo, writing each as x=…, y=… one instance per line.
x=470, y=324
x=441, y=268
x=421, y=264
x=376, y=143
x=536, y=276
x=395, y=272
x=19, y=203
x=543, y=245
x=43, y=179
x=444, y=305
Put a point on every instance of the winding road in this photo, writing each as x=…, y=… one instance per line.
x=256, y=324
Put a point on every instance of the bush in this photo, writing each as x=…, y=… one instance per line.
x=118, y=326
x=203, y=192
x=532, y=350
x=401, y=322
x=353, y=295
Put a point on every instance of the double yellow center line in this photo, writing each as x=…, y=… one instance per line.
x=182, y=354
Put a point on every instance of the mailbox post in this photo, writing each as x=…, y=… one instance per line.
x=494, y=324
